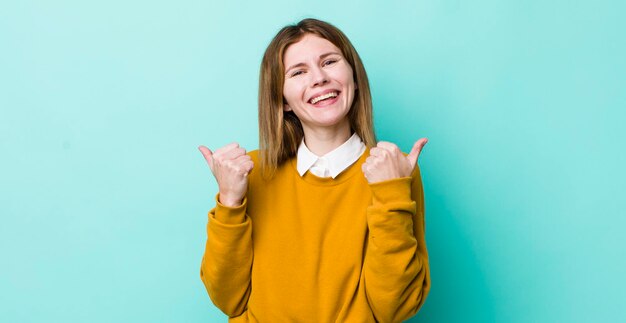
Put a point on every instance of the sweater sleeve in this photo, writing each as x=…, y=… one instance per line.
x=227, y=260
x=396, y=271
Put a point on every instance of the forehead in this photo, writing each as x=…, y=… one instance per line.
x=310, y=47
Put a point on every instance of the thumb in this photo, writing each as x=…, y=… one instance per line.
x=208, y=155
x=415, y=152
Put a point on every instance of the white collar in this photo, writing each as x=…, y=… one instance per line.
x=335, y=161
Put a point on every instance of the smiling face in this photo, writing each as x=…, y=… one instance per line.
x=319, y=85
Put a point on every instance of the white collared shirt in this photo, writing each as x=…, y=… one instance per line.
x=334, y=162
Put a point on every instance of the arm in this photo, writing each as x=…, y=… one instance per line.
x=227, y=260
x=396, y=271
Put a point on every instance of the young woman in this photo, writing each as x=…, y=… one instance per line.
x=322, y=223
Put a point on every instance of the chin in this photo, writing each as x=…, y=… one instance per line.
x=330, y=122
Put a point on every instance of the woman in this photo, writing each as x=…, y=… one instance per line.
x=299, y=238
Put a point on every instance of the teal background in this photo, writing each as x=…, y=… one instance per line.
x=104, y=195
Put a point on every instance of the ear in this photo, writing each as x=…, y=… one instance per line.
x=286, y=106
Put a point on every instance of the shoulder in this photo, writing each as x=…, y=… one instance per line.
x=256, y=174
x=284, y=169
x=254, y=154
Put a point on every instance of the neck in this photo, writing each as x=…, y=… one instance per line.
x=322, y=140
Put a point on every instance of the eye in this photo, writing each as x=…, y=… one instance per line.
x=330, y=62
x=296, y=73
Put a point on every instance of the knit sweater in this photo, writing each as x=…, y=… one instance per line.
x=312, y=249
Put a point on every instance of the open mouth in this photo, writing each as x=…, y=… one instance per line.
x=325, y=99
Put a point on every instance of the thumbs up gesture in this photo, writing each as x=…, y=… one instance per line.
x=386, y=161
x=230, y=165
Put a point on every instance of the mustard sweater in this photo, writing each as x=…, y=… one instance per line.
x=311, y=249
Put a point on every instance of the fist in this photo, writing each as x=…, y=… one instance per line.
x=386, y=161
x=230, y=165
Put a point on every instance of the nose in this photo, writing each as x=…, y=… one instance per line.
x=319, y=77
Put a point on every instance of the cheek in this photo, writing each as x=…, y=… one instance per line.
x=287, y=94
x=345, y=75
x=350, y=78
x=348, y=81
x=291, y=92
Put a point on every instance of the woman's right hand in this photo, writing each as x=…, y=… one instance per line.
x=230, y=165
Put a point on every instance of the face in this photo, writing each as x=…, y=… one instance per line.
x=319, y=87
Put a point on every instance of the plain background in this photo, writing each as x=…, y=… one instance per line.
x=104, y=195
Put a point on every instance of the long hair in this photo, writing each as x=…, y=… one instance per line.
x=280, y=132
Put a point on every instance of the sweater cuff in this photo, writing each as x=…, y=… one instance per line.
x=228, y=214
x=391, y=191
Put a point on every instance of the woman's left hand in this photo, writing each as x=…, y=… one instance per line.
x=386, y=161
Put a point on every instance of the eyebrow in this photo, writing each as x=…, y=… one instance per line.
x=302, y=64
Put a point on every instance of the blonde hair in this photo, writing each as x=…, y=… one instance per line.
x=280, y=132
